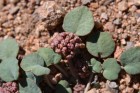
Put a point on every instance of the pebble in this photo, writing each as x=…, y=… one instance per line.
x=136, y=86
x=128, y=90
x=120, y=30
x=93, y=90
x=107, y=2
x=123, y=42
x=122, y=6
x=109, y=26
x=138, y=13
x=137, y=2
x=121, y=87
x=14, y=1
x=129, y=44
x=124, y=35
x=14, y=10
x=104, y=16
x=117, y=21
x=94, y=5
x=112, y=85
x=86, y=1
x=1, y=3
x=138, y=20
x=38, y=2
x=133, y=8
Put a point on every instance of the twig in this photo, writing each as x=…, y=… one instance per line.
x=61, y=70
x=73, y=72
x=88, y=84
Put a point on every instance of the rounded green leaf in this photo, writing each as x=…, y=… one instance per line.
x=64, y=83
x=100, y=44
x=30, y=75
x=96, y=65
x=79, y=21
x=8, y=48
x=63, y=87
x=39, y=70
x=49, y=56
x=28, y=86
x=9, y=69
x=111, y=69
x=34, y=63
x=31, y=60
x=130, y=59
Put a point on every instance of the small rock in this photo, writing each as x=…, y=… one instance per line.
x=109, y=26
x=14, y=1
x=124, y=36
x=127, y=79
x=120, y=30
x=18, y=29
x=130, y=3
x=133, y=20
x=85, y=1
x=117, y=21
x=13, y=10
x=107, y=2
x=93, y=90
x=118, y=52
x=137, y=44
x=112, y=84
x=137, y=2
x=104, y=16
x=136, y=86
x=138, y=12
x=37, y=2
x=129, y=90
x=10, y=17
x=138, y=20
x=123, y=42
x=122, y=87
x=94, y=5
x=133, y=8
x=1, y=3
x=122, y=6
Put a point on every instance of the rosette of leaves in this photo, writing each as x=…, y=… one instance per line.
x=63, y=87
x=66, y=44
x=9, y=69
x=79, y=21
x=111, y=69
x=96, y=65
x=28, y=86
x=8, y=48
x=100, y=44
x=130, y=59
x=35, y=64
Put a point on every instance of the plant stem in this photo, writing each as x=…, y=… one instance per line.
x=88, y=84
x=48, y=82
x=61, y=70
x=73, y=72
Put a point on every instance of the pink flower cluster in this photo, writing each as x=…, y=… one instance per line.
x=66, y=44
x=9, y=87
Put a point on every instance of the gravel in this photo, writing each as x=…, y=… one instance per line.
x=14, y=10
x=30, y=23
